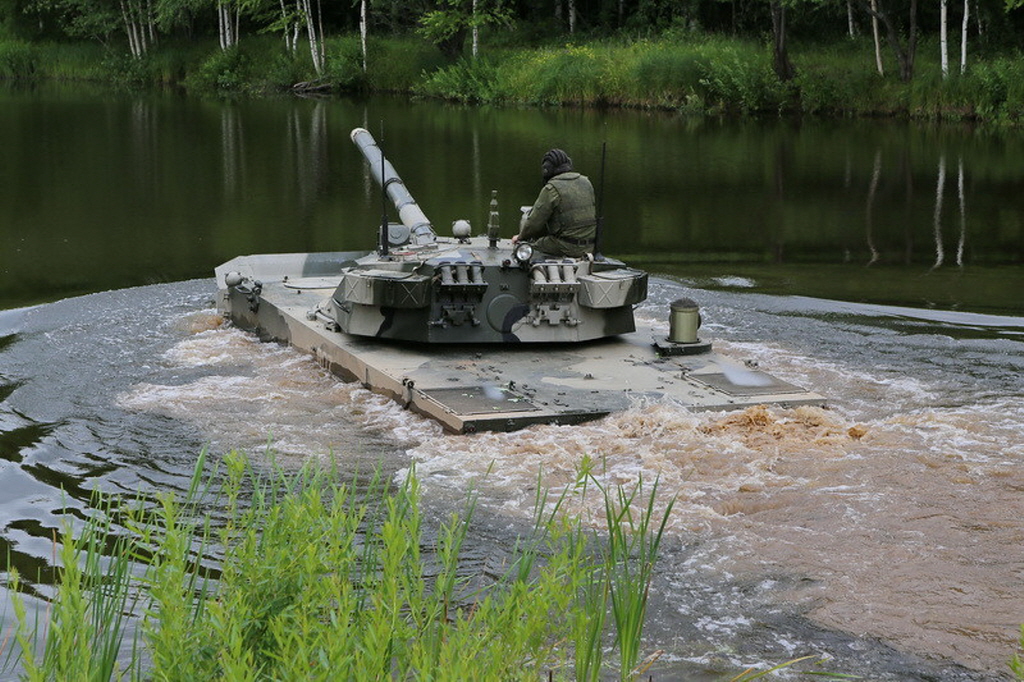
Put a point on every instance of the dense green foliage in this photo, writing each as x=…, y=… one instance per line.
x=693, y=56
x=693, y=75
x=306, y=577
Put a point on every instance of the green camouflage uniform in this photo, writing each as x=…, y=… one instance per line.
x=563, y=220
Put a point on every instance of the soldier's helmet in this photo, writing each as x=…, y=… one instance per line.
x=555, y=161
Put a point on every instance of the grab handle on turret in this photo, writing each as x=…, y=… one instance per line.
x=384, y=173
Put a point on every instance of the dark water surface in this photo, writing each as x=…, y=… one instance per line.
x=883, y=533
x=99, y=191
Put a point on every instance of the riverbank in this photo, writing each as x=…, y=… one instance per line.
x=679, y=72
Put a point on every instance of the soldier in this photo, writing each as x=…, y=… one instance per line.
x=563, y=220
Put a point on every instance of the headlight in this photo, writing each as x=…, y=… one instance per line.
x=523, y=253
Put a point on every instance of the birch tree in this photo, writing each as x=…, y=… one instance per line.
x=228, y=16
x=874, y=34
x=943, y=37
x=315, y=32
x=363, y=28
x=963, y=38
x=905, y=53
x=290, y=26
x=139, y=25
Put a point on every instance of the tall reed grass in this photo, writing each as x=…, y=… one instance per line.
x=304, y=576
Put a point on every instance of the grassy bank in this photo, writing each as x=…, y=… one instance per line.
x=693, y=74
x=303, y=576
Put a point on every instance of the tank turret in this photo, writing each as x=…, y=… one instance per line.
x=422, y=287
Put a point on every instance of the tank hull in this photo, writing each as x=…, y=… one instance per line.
x=476, y=387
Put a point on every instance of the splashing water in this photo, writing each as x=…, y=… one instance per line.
x=881, y=531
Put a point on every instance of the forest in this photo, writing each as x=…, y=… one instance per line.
x=936, y=59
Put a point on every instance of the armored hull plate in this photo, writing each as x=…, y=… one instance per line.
x=486, y=387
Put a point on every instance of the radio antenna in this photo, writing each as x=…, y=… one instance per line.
x=600, y=205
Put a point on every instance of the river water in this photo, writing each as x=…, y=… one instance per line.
x=883, y=533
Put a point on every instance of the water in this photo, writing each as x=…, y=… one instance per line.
x=882, y=533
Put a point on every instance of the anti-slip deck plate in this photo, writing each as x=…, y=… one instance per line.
x=754, y=383
x=473, y=400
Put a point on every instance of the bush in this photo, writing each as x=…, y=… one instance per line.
x=741, y=82
x=469, y=80
x=344, y=68
x=998, y=88
x=124, y=70
x=17, y=60
x=225, y=71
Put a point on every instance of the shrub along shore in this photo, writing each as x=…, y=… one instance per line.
x=696, y=74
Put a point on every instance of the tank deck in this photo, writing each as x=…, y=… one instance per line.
x=471, y=388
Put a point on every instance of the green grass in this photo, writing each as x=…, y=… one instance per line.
x=303, y=576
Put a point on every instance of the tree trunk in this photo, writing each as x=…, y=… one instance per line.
x=285, y=28
x=314, y=32
x=878, y=42
x=572, y=17
x=943, y=37
x=150, y=22
x=780, y=59
x=363, y=29
x=851, y=28
x=963, y=38
x=905, y=55
x=138, y=27
x=476, y=33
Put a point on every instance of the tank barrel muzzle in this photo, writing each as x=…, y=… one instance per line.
x=384, y=173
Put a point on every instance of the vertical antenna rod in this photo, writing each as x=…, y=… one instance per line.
x=384, y=246
x=600, y=205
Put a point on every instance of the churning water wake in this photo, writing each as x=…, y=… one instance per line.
x=883, y=533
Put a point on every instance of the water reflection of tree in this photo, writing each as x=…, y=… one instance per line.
x=940, y=251
x=869, y=209
x=232, y=143
x=307, y=155
x=144, y=137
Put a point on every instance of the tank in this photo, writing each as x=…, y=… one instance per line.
x=479, y=332
x=419, y=286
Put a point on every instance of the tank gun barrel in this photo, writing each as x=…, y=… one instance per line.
x=409, y=211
